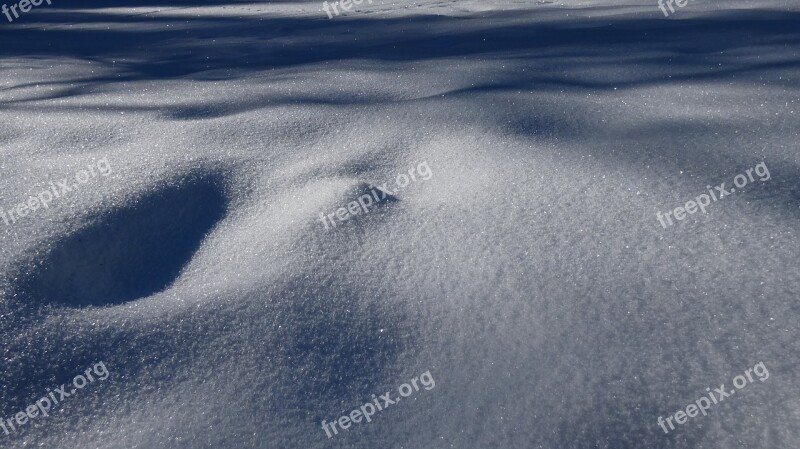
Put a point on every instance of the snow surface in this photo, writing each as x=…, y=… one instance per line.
x=529, y=274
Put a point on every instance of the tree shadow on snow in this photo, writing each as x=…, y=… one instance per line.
x=164, y=46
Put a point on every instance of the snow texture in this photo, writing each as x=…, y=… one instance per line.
x=529, y=274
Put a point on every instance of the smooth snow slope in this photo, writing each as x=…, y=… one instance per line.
x=529, y=274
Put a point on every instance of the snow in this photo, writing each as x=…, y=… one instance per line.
x=529, y=274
